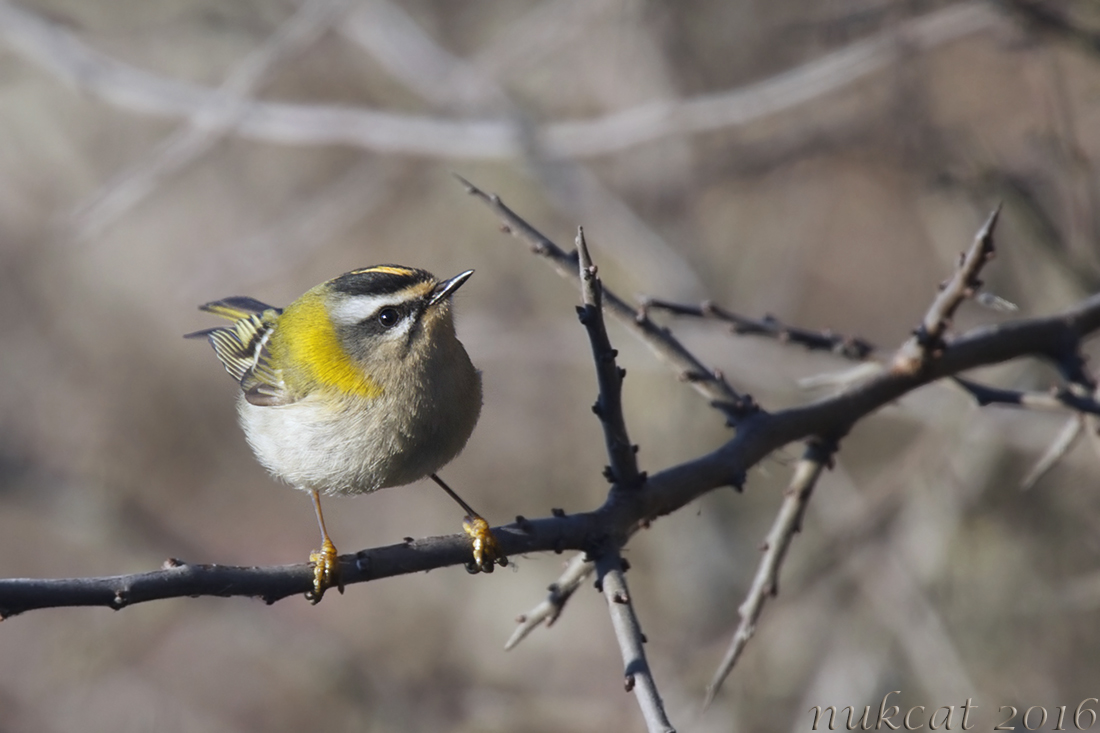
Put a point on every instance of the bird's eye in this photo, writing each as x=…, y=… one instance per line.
x=388, y=317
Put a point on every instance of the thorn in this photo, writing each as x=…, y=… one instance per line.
x=635, y=448
x=621, y=598
x=609, y=474
x=598, y=585
x=408, y=540
x=645, y=639
x=622, y=373
x=624, y=564
x=628, y=683
x=521, y=619
x=524, y=524
x=597, y=410
x=172, y=562
x=558, y=512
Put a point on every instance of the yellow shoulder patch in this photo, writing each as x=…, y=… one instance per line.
x=312, y=348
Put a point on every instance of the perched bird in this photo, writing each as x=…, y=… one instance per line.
x=358, y=385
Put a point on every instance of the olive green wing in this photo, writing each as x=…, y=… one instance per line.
x=242, y=348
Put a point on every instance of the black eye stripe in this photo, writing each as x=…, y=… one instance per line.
x=385, y=318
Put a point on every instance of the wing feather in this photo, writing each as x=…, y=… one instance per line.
x=242, y=347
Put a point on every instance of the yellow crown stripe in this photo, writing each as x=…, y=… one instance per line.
x=313, y=348
x=386, y=270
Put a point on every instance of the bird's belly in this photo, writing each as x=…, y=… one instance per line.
x=332, y=448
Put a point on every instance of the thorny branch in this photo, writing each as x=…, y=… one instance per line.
x=926, y=345
x=638, y=676
x=928, y=342
x=1059, y=399
x=625, y=478
x=623, y=471
x=559, y=592
x=850, y=347
x=711, y=383
x=918, y=354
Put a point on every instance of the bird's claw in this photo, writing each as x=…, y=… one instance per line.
x=487, y=552
x=326, y=571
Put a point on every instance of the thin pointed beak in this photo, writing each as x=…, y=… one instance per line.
x=446, y=288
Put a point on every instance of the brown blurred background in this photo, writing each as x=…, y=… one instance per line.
x=822, y=161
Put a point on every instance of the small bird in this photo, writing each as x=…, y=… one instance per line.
x=358, y=385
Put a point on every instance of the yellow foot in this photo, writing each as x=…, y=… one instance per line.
x=326, y=571
x=486, y=548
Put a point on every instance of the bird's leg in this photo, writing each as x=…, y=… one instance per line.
x=326, y=563
x=486, y=549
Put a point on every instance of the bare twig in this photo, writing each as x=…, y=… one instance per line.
x=638, y=677
x=560, y=591
x=67, y=57
x=788, y=521
x=709, y=382
x=1080, y=396
x=1067, y=438
x=928, y=342
x=623, y=468
x=1058, y=400
x=850, y=347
